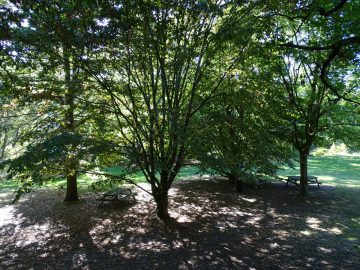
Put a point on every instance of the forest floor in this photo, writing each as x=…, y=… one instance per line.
x=212, y=227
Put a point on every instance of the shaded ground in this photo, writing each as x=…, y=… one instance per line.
x=213, y=228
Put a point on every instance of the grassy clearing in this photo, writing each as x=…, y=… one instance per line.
x=340, y=171
x=85, y=181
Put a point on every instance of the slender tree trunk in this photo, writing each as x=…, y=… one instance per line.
x=303, y=173
x=4, y=144
x=162, y=205
x=71, y=163
x=239, y=184
x=71, y=188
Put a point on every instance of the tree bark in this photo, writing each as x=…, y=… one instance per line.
x=162, y=205
x=4, y=144
x=239, y=184
x=71, y=163
x=303, y=173
x=71, y=188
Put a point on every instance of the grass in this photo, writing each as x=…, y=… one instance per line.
x=85, y=181
x=340, y=171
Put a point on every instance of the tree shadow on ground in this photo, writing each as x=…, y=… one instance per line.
x=212, y=228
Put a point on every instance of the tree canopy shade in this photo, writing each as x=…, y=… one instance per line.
x=164, y=68
x=329, y=29
x=240, y=133
x=139, y=82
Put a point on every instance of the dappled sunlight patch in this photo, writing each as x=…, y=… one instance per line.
x=254, y=221
x=326, y=178
x=274, y=245
x=151, y=245
x=287, y=247
x=280, y=218
x=225, y=225
x=40, y=234
x=7, y=216
x=6, y=196
x=80, y=259
x=324, y=262
x=250, y=200
x=335, y=230
x=325, y=250
x=248, y=239
x=306, y=232
x=281, y=234
x=356, y=221
x=190, y=208
x=177, y=244
x=351, y=184
x=314, y=223
x=234, y=259
x=233, y=212
x=182, y=218
x=212, y=259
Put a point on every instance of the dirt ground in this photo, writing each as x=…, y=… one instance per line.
x=212, y=228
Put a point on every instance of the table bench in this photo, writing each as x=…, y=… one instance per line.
x=118, y=195
x=295, y=179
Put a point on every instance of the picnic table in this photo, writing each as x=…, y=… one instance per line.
x=295, y=179
x=118, y=195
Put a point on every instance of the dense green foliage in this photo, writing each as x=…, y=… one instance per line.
x=148, y=84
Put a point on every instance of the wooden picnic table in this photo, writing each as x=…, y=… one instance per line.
x=118, y=195
x=296, y=178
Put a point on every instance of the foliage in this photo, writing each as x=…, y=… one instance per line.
x=146, y=84
x=43, y=80
x=233, y=134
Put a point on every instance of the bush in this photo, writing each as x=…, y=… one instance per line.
x=320, y=151
x=338, y=149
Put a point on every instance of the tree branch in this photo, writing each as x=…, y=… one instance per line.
x=327, y=13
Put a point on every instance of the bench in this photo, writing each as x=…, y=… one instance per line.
x=118, y=195
x=295, y=179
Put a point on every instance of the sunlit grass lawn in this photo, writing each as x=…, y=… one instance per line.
x=85, y=181
x=185, y=172
x=341, y=171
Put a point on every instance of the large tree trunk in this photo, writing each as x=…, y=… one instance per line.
x=71, y=188
x=303, y=173
x=160, y=194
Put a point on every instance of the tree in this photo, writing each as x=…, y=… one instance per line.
x=46, y=76
x=320, y=41
x=308, y=108
x=161, y=73
x=329, y=28
x=240, y=134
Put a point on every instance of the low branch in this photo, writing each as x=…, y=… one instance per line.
x=119, y=177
